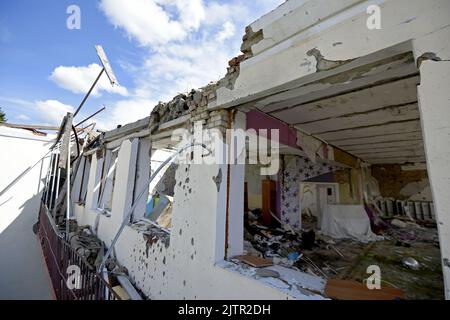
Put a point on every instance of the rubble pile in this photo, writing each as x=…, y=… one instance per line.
x=286, y=247
x=312, y=252
x=405, y=231
x=87, y=245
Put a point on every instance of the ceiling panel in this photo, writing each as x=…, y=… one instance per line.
x=396, y=93
x=383, y=138
x=362, y=132
x=364, y=119
x=361, y=148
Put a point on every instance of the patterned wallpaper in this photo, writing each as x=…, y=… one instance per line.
x=297, y=169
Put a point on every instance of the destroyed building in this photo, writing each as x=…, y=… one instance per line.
x=361, y=180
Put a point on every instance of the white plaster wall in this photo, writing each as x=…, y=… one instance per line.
x=19, y=151
x=187, y=267
x=23, y=274
x=434, y=103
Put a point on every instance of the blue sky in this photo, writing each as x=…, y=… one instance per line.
x=157, y=49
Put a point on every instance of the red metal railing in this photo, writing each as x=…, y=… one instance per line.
x=59, y=256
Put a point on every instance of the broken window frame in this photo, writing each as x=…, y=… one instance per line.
x=146, y=165
x=83, y=186
x=141, y=175
x=107, y=182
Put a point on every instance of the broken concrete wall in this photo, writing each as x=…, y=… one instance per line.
x=402, y=183
x=208, y=205
x=349, y=181
x=297, y=27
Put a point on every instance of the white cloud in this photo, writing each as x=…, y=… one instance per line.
x=52, y=111
x=227, y=32
x=153, y=22
x=189, y=44
x=123, y=112
x=23, y=117
x=80, y=79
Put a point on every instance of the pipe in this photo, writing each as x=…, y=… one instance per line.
x=89, y=92
x=53, y=180
x=58, y=175
x=68, y=194
x=47, y=194
x=136, y=201
x=90, y=117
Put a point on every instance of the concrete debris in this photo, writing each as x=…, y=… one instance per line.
x=236, y=61
x=250, y=250
x=398, y=223
x=267, y=273
x=87, y=245
x=427, y=56
x=249, y=39
x=195, y=103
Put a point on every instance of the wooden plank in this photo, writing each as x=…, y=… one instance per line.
x=255, y=261
x=353, y=290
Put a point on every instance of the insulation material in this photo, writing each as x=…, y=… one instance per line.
x=347, y=221
x=310, y=145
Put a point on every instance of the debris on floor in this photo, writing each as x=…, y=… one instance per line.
x=92, y=250
x=408, y=254
x=87, y=245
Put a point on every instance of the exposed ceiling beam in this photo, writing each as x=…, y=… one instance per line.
x=390, y=94
x=383, y=138
x=364, y=119
x=385, y=145
x=369, y=131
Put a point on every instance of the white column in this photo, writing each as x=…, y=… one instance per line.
x=235, y=244
x=434, y=104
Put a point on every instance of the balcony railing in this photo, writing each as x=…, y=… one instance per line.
x=61, y=260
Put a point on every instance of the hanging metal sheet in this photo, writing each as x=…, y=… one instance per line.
x=65, y=140
x=109, y=72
